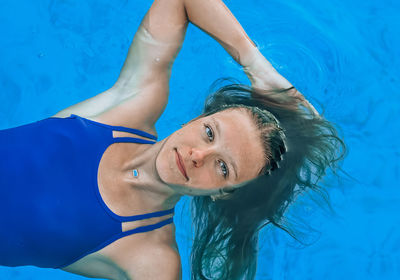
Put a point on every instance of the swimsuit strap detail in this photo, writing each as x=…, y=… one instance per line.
x=147, y=228
x=134, y=131
x=146, y=216
x=132, y=140
x=120, y=235
x=120, y=128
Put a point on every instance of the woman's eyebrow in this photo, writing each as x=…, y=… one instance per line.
x=216, y=123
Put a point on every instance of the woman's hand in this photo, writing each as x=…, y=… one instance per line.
x=263, y=75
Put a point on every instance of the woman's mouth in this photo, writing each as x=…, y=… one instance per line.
x=179, y=163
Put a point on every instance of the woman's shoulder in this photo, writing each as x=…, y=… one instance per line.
x=156, y=260
x=134, y=257
x=110, y=121
x=132, y=108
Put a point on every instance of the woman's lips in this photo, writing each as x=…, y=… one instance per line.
x=179, y=162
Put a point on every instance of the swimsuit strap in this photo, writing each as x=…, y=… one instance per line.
x=124, y=129
x=131, y=140
x=126, y=233
x=146, y=216
x=147, y=228
x=134, y=131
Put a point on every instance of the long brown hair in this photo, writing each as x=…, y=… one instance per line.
x=225, y=241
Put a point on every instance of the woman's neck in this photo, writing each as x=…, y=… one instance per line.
x=142, y=158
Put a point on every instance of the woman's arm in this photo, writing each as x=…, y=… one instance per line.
x=141, y=92
x=214, y=18
x=264, y=76
x=155, y=45
x=161, y=33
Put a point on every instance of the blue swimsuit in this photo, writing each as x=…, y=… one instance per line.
x=52, y=213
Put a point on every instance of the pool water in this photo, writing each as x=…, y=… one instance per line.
x=342, y=55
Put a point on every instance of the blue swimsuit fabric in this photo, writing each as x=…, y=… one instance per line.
x=52, y=213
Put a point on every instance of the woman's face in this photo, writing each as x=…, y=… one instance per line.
x=218, y=150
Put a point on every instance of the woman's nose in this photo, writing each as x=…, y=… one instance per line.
x=198, y=156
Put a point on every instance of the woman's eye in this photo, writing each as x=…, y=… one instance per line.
x=224, y=168
x=209, y=132
x=210, y=135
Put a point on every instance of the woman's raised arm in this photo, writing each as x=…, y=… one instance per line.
x=140, y=93
x=141, y=90
x=161, y=33
x=155, y=45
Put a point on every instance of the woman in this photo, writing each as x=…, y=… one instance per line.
x=77, y=184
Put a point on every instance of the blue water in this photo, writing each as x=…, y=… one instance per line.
x=341, y=54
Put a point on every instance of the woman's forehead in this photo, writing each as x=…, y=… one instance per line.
x=238, y=136
x=235, y=119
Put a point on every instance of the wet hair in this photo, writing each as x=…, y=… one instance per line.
x=299, y=147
